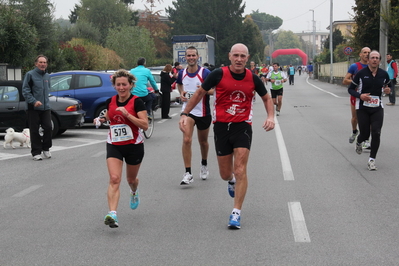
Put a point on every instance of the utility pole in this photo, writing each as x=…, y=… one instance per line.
x=314, y=35
x=384, y=9
x=331, y=41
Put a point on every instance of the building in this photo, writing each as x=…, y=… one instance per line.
x=346, y=27
x=320, y=38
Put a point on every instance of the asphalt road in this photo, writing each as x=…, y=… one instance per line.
x=310, y=200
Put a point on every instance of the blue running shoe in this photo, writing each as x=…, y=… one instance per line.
x=234, y=222
x=134, y=200
x=111, y=219
x=231, y=188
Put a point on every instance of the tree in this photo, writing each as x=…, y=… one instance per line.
x=38, y=14
x=367, y=18
x=253, y=39
x=18, y=39
x=104, y=15
x=287, y=40
x=337, y=39
x=132, y=42
x=265, y=21
x=391, y=17
x=220, y=19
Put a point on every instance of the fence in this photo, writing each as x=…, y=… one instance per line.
x=339, y=71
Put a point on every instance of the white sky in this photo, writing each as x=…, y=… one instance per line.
x=295, y=13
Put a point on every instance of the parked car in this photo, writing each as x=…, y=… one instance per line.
x=65, y=112
x=92, y=88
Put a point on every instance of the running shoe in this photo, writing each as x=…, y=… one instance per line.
x=353, y=137
x=37, y=157
x=277, y=113
x=111, y=219
x=134, y=200
x=367, y=145
x=234, y=221
x=204, y=172
x=187, y=179
x=359, y=148
x=231, y=188
x=47, y=154
x=371, y=165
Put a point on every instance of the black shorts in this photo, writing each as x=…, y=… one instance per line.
x=202, y=123
x=133, y=153
x=229, y=136
x=276, y=93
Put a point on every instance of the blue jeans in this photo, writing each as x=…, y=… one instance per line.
x=148, y=102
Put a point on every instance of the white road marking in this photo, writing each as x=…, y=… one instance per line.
x=27, y=191
x=299, y=228
x=285, y=159
x=320, y=89
x=4, y=156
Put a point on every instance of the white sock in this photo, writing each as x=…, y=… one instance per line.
x=114, y=212
x=233, y=180
x=371, y=159
x=237, y=211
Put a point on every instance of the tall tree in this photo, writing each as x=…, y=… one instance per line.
x=253, y=39
x=39, y=14
x=221, y=19
x=367, y=19
x=18, y=39
x=104, y=15
x=265, y=21
x=338, y=38
x=132, y=42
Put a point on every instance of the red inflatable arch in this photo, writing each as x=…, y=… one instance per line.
x=291, y=51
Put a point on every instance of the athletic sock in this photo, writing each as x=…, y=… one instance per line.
x=188, y=169
x=236, y=211
x=204, y=162
x=233, y=180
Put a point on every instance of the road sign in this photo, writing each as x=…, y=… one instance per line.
x=348, y=50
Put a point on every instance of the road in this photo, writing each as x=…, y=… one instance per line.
x=310, y=201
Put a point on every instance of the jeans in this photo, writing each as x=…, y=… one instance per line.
x=35, y=120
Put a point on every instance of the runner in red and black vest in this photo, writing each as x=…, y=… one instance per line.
x=235, y=88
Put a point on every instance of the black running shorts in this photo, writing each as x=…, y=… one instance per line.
x=132, y=153
x=229, y=136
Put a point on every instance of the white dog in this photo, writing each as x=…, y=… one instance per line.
x=21, y=137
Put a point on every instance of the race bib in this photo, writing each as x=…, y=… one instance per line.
x=374, y=102
x=189, y=95
x=277, y=82
x=121, y=132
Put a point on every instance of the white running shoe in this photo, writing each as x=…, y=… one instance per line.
x=371, y=165
x=204, y=173
x=47, y=154
x=187, y=179
x=353, y=137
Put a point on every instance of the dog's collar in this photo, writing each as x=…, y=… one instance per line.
x=26, y=135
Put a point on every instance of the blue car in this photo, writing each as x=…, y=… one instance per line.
x=92, y=88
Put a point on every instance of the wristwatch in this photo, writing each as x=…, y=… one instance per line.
x=184, y=114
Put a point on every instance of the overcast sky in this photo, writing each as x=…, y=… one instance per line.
x=296, y=14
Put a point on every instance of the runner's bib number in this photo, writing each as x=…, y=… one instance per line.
x=121, y=132
x=374, y=102
x=277, y=82
x=189, y=95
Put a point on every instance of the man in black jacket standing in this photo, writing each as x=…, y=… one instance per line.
x=35, y=89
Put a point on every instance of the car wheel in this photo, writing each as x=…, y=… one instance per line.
x=54, y=126
x=60, y=131
x=101, y=112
